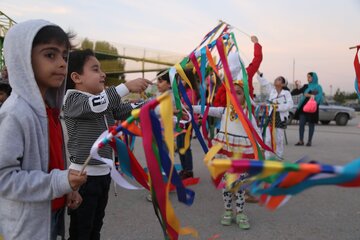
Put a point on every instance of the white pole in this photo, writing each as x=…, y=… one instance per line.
x=294, y=71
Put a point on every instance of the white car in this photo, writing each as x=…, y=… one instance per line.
x=328, y=112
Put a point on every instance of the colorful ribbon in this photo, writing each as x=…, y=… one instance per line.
x=357, y=72
x=155, y=158
x=277, y=181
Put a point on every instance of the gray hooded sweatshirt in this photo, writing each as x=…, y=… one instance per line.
x=26, y=187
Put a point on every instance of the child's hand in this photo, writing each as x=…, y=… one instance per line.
x=185, y=117
x=138, y=85
x=254, y=39
x=75, y=179
x=73, y=200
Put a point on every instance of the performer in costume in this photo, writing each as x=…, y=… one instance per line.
x=235, y=142
x=250, y=70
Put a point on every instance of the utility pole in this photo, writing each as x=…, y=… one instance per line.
x=294, y=71
x=331, y=90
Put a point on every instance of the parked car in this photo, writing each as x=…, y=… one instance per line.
x=329, y=112
x=355, y=106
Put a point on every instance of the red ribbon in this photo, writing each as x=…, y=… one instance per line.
x=357, y=68
x=153, y=165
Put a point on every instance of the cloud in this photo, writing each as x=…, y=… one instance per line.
x=314, y=33
x=27, y=10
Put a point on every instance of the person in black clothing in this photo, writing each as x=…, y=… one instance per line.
x=5, y=91
x=313, y=89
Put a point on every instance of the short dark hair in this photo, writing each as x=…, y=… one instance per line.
x=76, y=63
x=52, y=33
x=164, y=75
x=4, y=87
x=283, y=81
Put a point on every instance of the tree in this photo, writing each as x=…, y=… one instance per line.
x=107, y=56
x=352, y=96
x=339, y=96
x=87, y=44
x=342, y=97
x=105, y=47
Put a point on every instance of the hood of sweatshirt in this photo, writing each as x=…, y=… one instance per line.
x=17, y=52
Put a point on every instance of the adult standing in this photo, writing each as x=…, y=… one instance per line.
x=312, y=89
x=4, y=75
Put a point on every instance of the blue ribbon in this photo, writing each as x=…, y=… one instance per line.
x=124, y=158
x=203, y=83
x=357, y=87
x=194, y=124
x=184, y=195
x=348, y=173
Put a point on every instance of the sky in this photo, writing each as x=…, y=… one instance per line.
x=316, y=34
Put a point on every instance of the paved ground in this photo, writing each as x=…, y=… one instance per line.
x=318, y=213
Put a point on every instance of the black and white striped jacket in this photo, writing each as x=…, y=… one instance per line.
x=87, y=116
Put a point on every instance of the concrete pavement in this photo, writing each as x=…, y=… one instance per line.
x=319, y=213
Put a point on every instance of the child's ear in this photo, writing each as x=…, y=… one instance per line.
x=75, y=77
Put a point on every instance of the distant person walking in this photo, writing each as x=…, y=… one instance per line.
x=311, y=90
x=4, y=76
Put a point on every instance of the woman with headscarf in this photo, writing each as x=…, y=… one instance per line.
x=313, y=89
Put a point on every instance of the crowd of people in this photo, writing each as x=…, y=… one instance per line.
x=36, y=185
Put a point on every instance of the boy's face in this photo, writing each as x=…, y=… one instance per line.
x=49, y=65
x=92, y=80
x=3, y=96
x=162, y=85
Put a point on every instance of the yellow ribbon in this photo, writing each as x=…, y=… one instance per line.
x=166, y=112
x=273, y=130
x=186, y=140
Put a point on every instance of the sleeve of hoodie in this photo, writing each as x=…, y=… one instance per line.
x=25, y=185
x=80, y=105
x=254, y=66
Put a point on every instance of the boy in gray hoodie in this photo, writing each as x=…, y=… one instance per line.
x=31, y=159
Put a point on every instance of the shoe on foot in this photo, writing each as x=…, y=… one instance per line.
x=243, y=221
x=308, y=144
x=299, y=143
x=227, y=217
x=184, y=174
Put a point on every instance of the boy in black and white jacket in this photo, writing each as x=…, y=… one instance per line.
x=89, y=109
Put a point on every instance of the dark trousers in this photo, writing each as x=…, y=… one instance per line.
x=185, y=159
x=302, y=122
x=58, y=224
x=86, y=221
